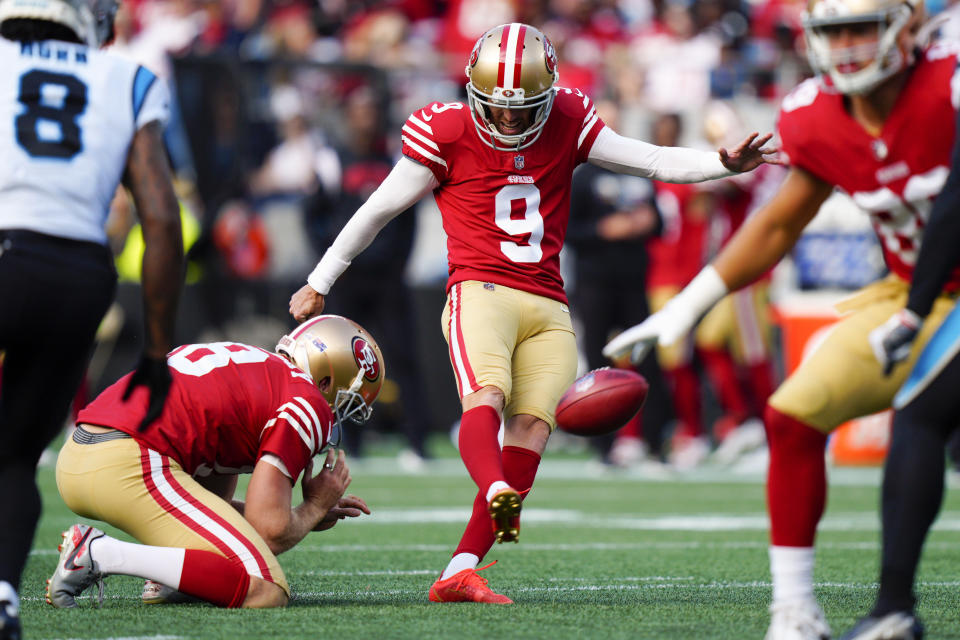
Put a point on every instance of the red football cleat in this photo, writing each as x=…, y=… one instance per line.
x=504, y=509
x=466, y=586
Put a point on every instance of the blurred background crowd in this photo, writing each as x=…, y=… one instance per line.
x=287, y=117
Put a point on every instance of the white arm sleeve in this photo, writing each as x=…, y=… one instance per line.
x=405, y=185
x=667, y=164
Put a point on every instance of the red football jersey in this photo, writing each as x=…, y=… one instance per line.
x=505, y=212
x=895, y=176
x=229, y=404
x=733, y=199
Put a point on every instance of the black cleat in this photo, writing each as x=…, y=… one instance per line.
x=896, y=625
x=9, y=622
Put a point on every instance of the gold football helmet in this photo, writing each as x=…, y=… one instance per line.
x=343, y=360
x=513, y=65
x=858, y=69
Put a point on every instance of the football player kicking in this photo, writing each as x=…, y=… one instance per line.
x=500, y=170
x=928, y=412
x=232, y=409
x=74, y=122
x=857, y=128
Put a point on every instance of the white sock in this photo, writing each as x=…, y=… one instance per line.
x=9, y=594
x=161, y=564
x=499, y=485
x=791, y=569
x=460, y=562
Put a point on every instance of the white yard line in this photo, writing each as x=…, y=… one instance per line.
x=616, y=584
x=130, y=637
x=602, y=546
x=612, y=586
x=850, y=521
x=576, y=547
x=411, y=572
x=592, y=471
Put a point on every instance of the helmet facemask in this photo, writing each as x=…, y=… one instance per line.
x=480, y=104
x=348, y=404
x=860, y=68
x=104, y=14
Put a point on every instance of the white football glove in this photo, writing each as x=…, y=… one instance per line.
x=891, y=342
x=638, y=340
x=664, y=327
x=674, y=321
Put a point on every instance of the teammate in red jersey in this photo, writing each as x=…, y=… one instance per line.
x=735, y=338
x=879, y=124
x=676, y=258
x=232, y=409
x=500, y=169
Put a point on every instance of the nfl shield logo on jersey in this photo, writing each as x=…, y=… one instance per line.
x=518, y=163
x=879, y=148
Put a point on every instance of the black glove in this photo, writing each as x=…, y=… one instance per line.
x=891, y=341
x=155, y=376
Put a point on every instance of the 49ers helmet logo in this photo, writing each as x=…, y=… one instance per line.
x=366, y=359
x=475, y=54
x=549, y=55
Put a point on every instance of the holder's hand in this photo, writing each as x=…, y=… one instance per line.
x=153, y=374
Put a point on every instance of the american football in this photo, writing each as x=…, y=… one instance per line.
x=601, y=401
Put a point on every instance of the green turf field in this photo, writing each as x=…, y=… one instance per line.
x=602, y=555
